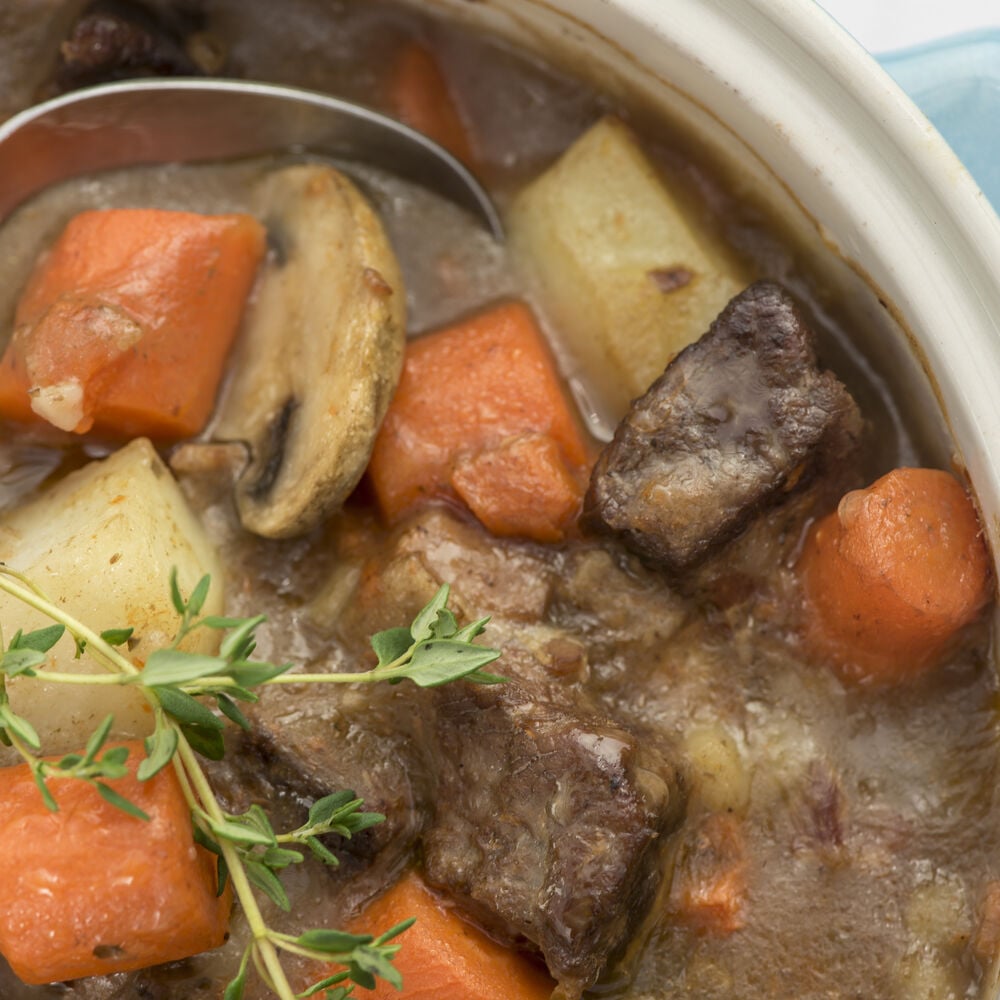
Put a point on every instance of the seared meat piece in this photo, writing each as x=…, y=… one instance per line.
x=533, y=807
x=550, y=820
x=736, y=422
x=329, y=738
x=119, y=39
x=549, y=816
x=488, y=576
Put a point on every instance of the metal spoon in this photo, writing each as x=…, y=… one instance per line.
x=182, y=121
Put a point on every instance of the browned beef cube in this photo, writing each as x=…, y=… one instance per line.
x=533, y=809
x=120, y=39
x=550, y=822
x=738, y=420
x=332, y=738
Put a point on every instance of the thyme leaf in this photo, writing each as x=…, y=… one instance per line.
x=434, y=650
x=41, y=640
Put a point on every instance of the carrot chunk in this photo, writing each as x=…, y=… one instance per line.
x=710, y=887
x=125, y=324
x=420, y=97
x=893, y=574
x=90, y=890
x=986, y=937
x=520, y=487
x=480, y=414
x=445, y=958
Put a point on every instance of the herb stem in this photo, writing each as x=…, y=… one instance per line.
x=106, y=680
x=298, y=836
x=186, y=786
x=398, y=669
x=19, y=587
x=387, y=671
x=362, y=677
x=263, y=971
x=297, y=949
x=208, y=804
x=287, y=943
x=22, y=748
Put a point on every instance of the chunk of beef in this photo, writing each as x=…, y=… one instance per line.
x=550, y=820
x=737, y=422
x=595, y=591
x=534, y=809
x=510, y=580
x=119, y=39
x=549, y=815
x=307, y=744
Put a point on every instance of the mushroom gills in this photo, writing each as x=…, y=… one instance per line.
x=320, y=354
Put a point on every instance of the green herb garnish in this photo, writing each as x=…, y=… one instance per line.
x=192, y=696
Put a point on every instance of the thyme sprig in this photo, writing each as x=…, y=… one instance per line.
x=192, y=696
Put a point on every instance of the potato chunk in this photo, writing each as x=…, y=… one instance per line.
x=620, y=267
x=101, y=544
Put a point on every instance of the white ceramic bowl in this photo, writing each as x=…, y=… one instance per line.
x=826, y=137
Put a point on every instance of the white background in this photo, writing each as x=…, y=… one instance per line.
x=885, y=25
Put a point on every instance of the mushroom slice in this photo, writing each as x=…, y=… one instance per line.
x=320, y=354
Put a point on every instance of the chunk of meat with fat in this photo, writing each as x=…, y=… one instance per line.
x=371, y=741
x=538, y=813
x=550, y=821
x=121, y=39
x=738, y=421
x=549, y=817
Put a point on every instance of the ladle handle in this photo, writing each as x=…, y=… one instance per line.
x=153, y=121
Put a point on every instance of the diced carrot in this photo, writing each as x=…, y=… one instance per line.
x=893, y=574
x=480, y=412
x=443, y=957
x=125, y=324
x=710, y=886
x=521, y=487
x=986, y=937
x=90, y=890
x=420, y=97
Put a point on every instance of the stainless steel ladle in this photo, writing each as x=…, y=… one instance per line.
x=184, y=121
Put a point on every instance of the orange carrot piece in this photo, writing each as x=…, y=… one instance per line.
x=465, y=393
x=521, y=487
x=419, y=97
x=710, y=887
x=90, y=890
x=986, y=937
x=125, y=324
x=893, y=574
x=445, y=958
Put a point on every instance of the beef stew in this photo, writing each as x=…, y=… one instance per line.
x=671, y=794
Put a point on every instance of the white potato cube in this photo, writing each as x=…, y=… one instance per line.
x=101, y=544
x=619, y=266
x=719, y=777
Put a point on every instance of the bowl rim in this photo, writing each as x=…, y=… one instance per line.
x=885, y=190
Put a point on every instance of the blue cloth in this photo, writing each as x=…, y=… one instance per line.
x=956, y=83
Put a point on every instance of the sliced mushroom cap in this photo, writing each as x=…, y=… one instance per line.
x=320, y=355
